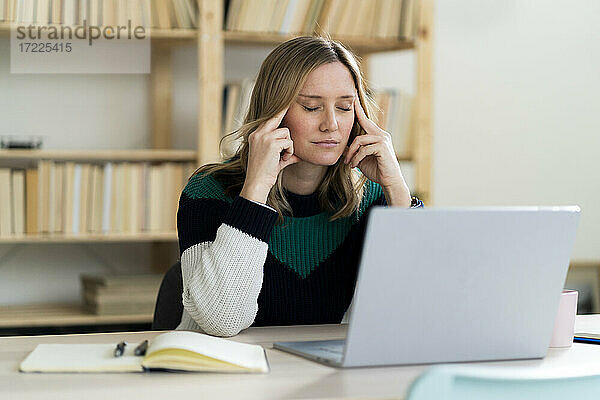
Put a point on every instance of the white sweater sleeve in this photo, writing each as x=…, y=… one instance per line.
x=222, y=281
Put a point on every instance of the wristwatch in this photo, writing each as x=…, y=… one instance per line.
x=416, y=203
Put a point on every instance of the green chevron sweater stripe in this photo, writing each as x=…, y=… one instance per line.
x=313, y=239
x=303, y=243
x=299, y=243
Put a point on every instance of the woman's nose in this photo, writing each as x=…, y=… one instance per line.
x=329, y=123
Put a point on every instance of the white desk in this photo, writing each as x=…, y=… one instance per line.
x=290, y=376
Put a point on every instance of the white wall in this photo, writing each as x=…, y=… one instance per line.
x=74, y=111
x=516, y=118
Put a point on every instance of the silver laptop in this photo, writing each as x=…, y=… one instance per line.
x=448, y=285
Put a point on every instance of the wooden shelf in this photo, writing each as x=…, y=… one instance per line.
x=92, y=238
x=99, y=155
x=61, y=315
x=585, y=264
x=362, y=45
x=404, y=158
x=185, y=34
x=359, y=44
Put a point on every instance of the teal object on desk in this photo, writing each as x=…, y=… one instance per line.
x=447, y=382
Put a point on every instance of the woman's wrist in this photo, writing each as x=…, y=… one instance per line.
x=255, y=192
x=398, y=195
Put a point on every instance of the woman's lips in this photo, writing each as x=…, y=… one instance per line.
x=326, y=144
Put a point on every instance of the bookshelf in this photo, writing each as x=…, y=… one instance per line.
x=61, y=315
x=210, y=39
x=99, y=155
x=90, y=238
x=186, y=36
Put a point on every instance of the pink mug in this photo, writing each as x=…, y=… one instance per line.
x=564, y=326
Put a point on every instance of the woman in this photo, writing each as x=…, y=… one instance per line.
x=273, y=235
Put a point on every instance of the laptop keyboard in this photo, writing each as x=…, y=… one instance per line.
x=331, y=350
x=333, y=347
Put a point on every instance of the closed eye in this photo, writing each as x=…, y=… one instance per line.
x=316, y=108
x=310, y=109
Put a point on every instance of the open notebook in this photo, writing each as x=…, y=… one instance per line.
x=177, y=351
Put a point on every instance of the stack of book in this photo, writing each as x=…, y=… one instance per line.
x=364, y=18
x=82, y=198
x=165, y=14
x=120, y=294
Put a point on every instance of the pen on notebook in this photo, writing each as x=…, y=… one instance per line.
x=141, y=349
x=584, y=339
x=120, y=349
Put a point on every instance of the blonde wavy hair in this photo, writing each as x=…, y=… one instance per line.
x=280, y=79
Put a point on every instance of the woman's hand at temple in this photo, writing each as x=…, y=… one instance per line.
x=374, y=155
x=271, y=149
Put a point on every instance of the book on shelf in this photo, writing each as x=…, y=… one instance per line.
x=156, y=185
x=43, y=10
x=103, y=283
x=175, y=351
x=69, y=11
x=43, y=195
x=5, y=202
x=69, y=191
x=56, y=12
x=120, y=294
x=84, y=199
x=236, y=101
x=106, y=197
x=116, y=207
x=18, y=201
x=165, y=14
x=58, y=200
x=407, y=25
x=396, y=115
x=119, y=298
x=96, y=198
x=78, y=198
x=31, y=196
x=231, y=100
x=345, y=18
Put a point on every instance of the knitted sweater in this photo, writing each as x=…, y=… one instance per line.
x=240, y=268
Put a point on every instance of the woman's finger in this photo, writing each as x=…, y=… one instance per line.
x=285, y=145
x=372, y=149
x=293, y=159
x=281, y=133
x=358, y=142
x=367, y=124
x=274, y=122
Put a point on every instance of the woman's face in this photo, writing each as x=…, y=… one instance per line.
x=322, y=116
